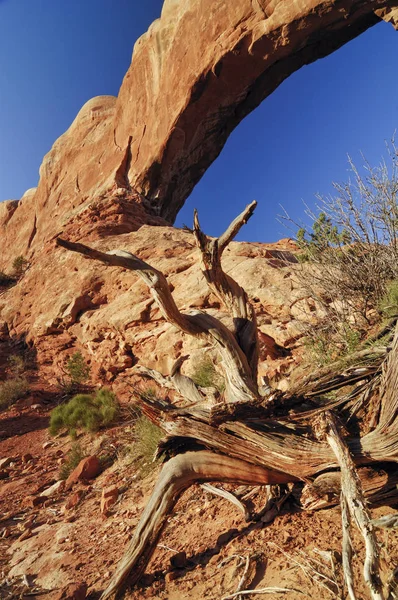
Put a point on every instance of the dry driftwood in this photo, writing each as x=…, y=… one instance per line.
x=245, y=438
x=353, y=507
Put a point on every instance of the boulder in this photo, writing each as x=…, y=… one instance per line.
x=108, y=497
x=88, y=468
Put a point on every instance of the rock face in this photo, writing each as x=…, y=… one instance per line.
x=125, y=166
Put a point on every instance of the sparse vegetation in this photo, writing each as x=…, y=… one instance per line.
x=389, y=303
x=12, y=390
x=146, y=438
x=88, y=412
x=74, y=456
x=77, y=373
x=16, y=364
x=19, y=266
x=352, y=251
x=16, y=385
x=206, y=375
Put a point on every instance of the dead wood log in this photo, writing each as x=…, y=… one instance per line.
x=354, y=506
x=380, y=487
x=176, y=476
x=254, y=440
x=230, y=293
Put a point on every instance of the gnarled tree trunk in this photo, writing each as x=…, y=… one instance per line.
x=242, y=436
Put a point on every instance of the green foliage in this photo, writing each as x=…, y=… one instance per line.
x=324, y=235
x=147, y=437
x=77, y=369
x=19, y=266
x=389, y=303
x=206, y=375
x=16, y=364
x=75, y=455
x=12, y=390
x=89, y=412
x=329, y=342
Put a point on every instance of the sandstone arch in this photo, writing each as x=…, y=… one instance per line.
x=196, y=73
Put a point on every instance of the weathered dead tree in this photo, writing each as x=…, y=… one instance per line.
x=244, y=436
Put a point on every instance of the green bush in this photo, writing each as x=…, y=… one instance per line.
x=77, y=369
x=12, y=390
x=206, y=375
x=19, y=266
x=74, y=456
x=16, y=364
x=389, y=303
x=89, y=412
x=147, y=436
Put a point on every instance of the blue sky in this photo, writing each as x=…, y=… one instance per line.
x=55, y=55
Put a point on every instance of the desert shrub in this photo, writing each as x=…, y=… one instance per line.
x=74, y=456
x=351, y=250
x=389, y=302
x=327, y=341
x=19, y=266
x=206, y=375
x=16, y=364
x=77, y=369
x=147, y=436
x=12, y=390
x=89, y=412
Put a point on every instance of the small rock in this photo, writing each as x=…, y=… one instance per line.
x=57, y=487
x=6, y=532
x=179, y=560
x=88, y=468
x=171, y=575
x=33, y=501
x=26, y=458
x=47, y=445
x=4, y=474
x=73, y=500
x=36, y=406
x=4, y=462
x=108, y=498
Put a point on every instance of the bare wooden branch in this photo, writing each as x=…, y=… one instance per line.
x=355, y=501
x=346, y=553
x=379, y=487
x=240, y=385
x=212, y=489
x=230, y=293
x=183, y=385
x=176, y=476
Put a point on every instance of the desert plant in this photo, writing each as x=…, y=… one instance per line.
x=19, y=266
x=146, y=438
x=12, y=390
x=77, y=372
x=389, y=302
x=351, y=251
x=16, y=364
x=206, y=375
x=89, y=412
x=74, y=456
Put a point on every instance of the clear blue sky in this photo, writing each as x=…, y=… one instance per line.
x=56, y=54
